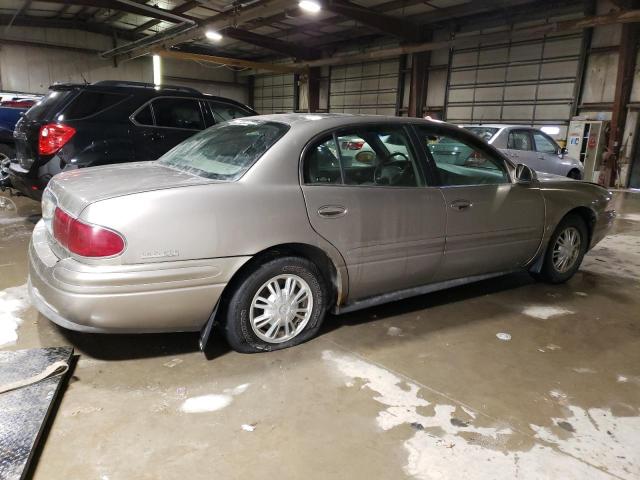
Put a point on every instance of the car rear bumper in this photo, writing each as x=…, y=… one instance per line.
x=25, y=182
x=156, y=297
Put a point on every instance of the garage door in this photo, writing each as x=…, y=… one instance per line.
x=526, y=82
x=273, y=93
x=370, y=87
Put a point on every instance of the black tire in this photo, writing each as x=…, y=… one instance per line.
x=236, y=316
x=6, y=151
x=549, y=272
x=575, y=174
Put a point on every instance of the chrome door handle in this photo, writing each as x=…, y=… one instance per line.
x=461, y=204
x=332, y=211
x=541, y=157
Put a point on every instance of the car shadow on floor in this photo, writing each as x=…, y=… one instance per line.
x=429, y=300
x=137, y=346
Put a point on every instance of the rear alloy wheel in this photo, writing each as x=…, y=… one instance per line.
x=565, y=251
x=279, y=304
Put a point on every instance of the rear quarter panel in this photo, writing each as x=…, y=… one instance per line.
x=209, y=221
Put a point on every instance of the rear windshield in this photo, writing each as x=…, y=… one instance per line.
x=49, y=105
x=485, y=133
x=225, y=151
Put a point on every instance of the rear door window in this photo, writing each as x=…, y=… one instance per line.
x=519, y=140
x=144, y=116
x=89, y=103
x=370, y=156
x=181, y=113
x=322, y=165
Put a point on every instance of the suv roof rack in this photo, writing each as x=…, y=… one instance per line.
x=124, y=83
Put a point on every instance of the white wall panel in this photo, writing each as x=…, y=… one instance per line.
x=273, y=93
x=33, y=68
x=370, y=88
x=517, y=82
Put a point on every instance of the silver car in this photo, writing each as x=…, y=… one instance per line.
x=531, y=147
x=258, y=225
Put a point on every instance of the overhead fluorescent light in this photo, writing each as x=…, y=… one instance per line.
x=213, y=35
x=157, y=70
x=309, y=6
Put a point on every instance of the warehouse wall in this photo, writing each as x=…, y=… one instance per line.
x=32, y=68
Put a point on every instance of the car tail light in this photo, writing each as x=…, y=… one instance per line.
x=53, y=137
x=84, y=239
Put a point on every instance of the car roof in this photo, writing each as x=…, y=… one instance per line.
x=331, y=120
x=500, y=125
x=147, y=90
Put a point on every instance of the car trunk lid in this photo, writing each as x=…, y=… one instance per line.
x=75, y=189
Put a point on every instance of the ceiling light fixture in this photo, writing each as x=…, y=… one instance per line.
x=309, y=6
x=213, y=35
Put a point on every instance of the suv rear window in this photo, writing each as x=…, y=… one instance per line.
x=225, y=111
x=49, y=105
x=89, y=103
x=225, y=151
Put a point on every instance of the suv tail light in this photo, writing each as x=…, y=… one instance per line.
x=84, y=239
x=53, y=137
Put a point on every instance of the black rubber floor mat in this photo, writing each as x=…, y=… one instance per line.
x=24, y=412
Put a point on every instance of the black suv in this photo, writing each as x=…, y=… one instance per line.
x=78, y=126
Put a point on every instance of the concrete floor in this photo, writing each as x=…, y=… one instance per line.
x=422, y=388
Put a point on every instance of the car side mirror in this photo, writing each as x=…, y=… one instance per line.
x=562, y=152
x=525, y=174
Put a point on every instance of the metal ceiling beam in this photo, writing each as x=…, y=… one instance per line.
x=388, y=24
x=25, y=6
x=48, y=22
x=615, y=17
x=185, y=7
x=128, y=7
x=232, y=62
x=240, y=17
x=274, y=44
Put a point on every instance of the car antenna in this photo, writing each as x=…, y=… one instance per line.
x=84, y=79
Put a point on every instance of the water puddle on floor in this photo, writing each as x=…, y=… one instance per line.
x=449, y=445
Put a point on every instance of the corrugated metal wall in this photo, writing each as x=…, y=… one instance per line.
x=529, y=82
x=370, y=87
x=273, y=93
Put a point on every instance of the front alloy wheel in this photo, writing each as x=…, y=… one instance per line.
x=566, y=249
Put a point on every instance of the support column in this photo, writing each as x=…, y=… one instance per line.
x=313, y=83
x=624, y=82
x=418, y=84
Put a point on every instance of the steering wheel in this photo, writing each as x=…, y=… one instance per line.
x=390, y=172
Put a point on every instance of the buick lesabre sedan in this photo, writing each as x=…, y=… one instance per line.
x=260, y=225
